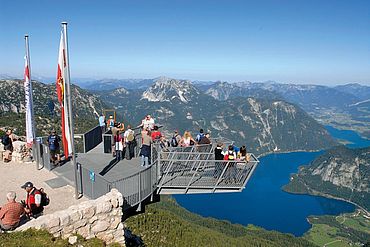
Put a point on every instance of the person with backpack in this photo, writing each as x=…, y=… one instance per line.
x=130, y=142
x=35, y=201
x=54, y=147
x=7, y=141
x=200, y=135
x=175, y=140
x=219, y=155
x=231, y=169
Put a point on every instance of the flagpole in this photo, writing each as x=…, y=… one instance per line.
x=31, y=95
x=70, y=115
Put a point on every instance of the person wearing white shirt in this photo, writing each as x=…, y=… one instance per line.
x=147, y=123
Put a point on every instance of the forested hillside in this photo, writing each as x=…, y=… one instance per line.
x=167, y=224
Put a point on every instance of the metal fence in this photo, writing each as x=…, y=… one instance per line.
x=137, y=187
x=191, y=169
x=41, y=154
x=90, y=183
x=92, y=138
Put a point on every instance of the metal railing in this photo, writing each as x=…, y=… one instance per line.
x=137, y=187
x=41, y=154
x=92, y=138
x=199, y=170
x=90, y=183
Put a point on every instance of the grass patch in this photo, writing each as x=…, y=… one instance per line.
x=350, y=229
x=37, y=238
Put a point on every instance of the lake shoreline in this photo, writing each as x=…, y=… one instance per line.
x=313, y=192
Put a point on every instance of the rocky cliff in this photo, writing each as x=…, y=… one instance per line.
x=340, y=172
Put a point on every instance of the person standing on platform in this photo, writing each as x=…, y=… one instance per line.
x=130, y=142
x=145, y=151
x=147, y=123
x=102, y=123
x=118, y=141
x=110, y=122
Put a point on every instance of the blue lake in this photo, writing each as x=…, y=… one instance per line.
x=263, y=203
x=356, y=140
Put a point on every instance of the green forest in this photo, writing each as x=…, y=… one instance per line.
x=167, y=224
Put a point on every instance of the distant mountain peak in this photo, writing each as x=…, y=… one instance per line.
x=168, y=89
x=120, y=91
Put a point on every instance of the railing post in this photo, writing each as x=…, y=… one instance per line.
x=83, y=140
x=139, y=186
x=219, y=179
x=80, y=173
x=158, y=166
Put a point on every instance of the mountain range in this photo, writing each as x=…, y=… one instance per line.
x=344, y=106
x=340, y=172
x=262, y=124
x=86, y=107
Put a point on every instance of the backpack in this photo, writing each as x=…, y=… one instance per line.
x=53, y=142
x=5, y=140
x=45, y=200
x=199, y=137
x=174, y=142
x=230, y=155
x=130, y=137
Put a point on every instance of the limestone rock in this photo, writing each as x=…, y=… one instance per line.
x=72, y=240
x=100, y=226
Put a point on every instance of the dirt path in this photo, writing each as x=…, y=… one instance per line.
x=14, y=175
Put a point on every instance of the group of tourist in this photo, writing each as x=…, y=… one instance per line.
x=13, y=213
x=124, y=141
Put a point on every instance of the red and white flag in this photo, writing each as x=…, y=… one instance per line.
x=61, y=92
x=29, y=104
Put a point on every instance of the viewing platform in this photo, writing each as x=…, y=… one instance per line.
x=173, y=170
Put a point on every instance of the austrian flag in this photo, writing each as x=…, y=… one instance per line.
x=62, y=98
x=29, y=103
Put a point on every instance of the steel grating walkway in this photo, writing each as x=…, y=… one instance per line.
x=172, y=171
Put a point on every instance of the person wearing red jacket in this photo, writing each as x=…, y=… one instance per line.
x=33, y=206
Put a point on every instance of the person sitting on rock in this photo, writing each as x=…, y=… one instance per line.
x=33, y=206
x=10, y=213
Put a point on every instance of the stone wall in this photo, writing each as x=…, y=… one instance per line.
x=99, y=218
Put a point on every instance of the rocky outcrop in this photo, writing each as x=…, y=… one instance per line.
x=101, y=218
x=340, y=172
x=20, y=152
x=166, y=89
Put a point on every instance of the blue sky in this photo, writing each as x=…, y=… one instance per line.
x=321, y=42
